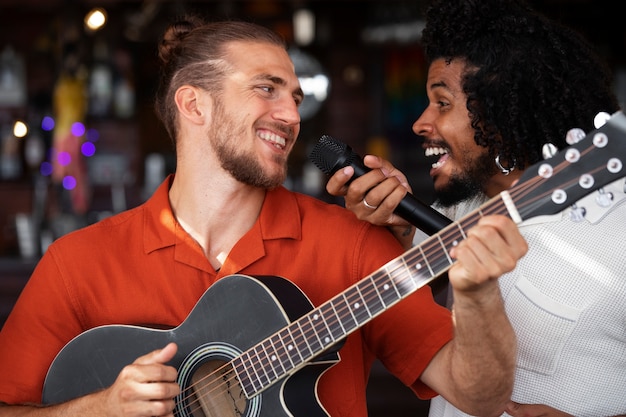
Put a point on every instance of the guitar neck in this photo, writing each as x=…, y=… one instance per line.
x=292, y=347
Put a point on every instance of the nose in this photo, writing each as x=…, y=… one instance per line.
x=423, y=125
x=286, y=111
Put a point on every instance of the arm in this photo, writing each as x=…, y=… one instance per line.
x=145, y=388
x=383, y=187
x=475, y=370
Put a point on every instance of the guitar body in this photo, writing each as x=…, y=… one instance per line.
x=232, y=315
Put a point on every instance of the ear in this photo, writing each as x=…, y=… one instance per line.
x=192, y=104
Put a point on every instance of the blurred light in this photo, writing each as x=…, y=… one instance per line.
x=96, y=19
x=64, y=158
x=69, y=182
x=34, y=150
x=396, y=32
x=303, y=26
x=47, y=123
x=92, y=135
x=45, y=169
x=88, y=149
x=78, y=129
x=316, y=86
x=20, y=129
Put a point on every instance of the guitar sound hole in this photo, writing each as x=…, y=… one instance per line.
x=215, y=392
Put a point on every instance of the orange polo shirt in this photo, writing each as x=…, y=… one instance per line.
x=140, y=267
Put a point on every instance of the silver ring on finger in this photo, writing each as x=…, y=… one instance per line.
x=369, y=206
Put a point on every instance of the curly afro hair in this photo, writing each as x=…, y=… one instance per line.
x=528, y=80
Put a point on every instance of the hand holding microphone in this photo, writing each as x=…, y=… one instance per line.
x=330, y=155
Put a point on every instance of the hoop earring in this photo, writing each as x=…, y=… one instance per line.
x=505, y=171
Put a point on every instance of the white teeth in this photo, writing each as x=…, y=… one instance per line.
x=270, y=137
x=435, y=151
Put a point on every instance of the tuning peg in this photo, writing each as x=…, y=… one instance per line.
x=548, y=150
x=600, y=119
x=577, y=214
x=603, y=198
x=575, y=135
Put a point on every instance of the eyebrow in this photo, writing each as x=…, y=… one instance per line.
x=279, y=81
x=439, y=84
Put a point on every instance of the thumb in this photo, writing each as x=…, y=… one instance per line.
x=158, y=356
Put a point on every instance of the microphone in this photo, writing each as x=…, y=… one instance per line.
x=330, y=155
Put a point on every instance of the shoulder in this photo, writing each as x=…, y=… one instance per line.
x=324, y=214
x=337, y=222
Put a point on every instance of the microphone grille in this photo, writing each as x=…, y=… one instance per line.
x=327, y=152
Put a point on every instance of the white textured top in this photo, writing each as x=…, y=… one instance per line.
x=566, y=300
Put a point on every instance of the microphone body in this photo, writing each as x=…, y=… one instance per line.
x=330, y=155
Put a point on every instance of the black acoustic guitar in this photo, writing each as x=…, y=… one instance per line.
x=256, y=347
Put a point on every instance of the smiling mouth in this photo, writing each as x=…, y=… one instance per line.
x=438, y=153
x=277, y=141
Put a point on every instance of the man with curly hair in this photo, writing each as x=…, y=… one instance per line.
x=504, y=84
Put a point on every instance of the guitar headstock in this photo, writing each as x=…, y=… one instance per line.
x=551, y=186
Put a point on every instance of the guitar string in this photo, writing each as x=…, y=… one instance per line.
x=494, y=206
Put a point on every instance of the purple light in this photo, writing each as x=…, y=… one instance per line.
x=78, y=129
x=47, y=123
x=69, y=182
x=64, y=158
x=88, y=149
x=45, y=169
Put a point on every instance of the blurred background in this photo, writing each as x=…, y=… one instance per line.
x=79, y=76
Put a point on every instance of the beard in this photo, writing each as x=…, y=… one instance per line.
x=466, y=184
x=242, y=164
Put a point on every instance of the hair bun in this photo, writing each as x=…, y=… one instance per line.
x=175, y=34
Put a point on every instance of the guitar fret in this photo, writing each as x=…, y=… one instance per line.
x=378, y=293
x=357, y=307
x=401, y=276
x=264, y=363
x=315, y=344
x=268, y=365
x=276, y=357
x=254, y=369
x=379, y=305
x=390, y=294
x=418, y=265
x=363, y=301
x=445, y=249
x=305, y=339
x=247, y=382
x=461, y=230
x=349, y=320
x=293, y=348
x=285, y=351
x=322, y=331
x=324, y=310
x=343, y=330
